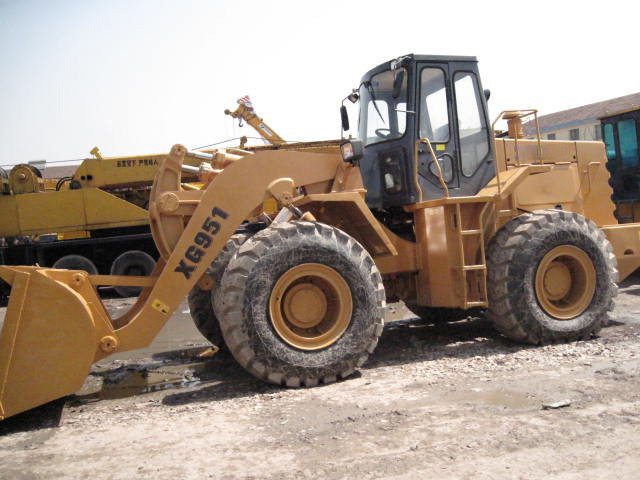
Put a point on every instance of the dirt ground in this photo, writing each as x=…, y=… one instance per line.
x=450, y=401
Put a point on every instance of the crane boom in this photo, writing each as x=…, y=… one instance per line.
x=246, y=112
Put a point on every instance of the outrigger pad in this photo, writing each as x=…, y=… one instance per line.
x=47, y=344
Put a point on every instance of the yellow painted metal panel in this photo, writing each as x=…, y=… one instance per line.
x=49, y=211
x=118, y=171
x=552, y=151
x=115, y=171
x=597, y=192
x=104, y=209
x=625, y=240
x=63, y=211
x=9, y=225
x=559, y=186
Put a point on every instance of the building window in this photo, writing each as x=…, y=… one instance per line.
x=574, y=134
x=551, y=136
x=597, y=132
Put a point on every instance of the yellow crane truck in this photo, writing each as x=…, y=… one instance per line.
x=95, y=220
x=425, y=205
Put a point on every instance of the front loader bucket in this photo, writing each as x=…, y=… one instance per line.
x=47, y=344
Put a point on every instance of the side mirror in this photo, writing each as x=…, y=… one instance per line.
x=487, y=94
x=398, y=79
x=344, y=116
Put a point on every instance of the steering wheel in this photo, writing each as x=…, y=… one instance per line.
x=383, y=132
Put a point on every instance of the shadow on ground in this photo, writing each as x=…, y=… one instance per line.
x=631, y=284
x=221, y=378
x=48, y=415
x=413, y=340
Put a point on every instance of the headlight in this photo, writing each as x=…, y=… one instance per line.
x=347, y=151
x=351, y=150
x=392, y=174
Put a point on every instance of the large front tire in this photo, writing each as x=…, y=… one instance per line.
x=551, y=278
x=303, y=303
x=201, y=302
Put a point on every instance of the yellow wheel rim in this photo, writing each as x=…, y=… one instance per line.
x=310, y=306
x=565, y=282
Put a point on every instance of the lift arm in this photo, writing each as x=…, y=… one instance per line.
x=55, y=325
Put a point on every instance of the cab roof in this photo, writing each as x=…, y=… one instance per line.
x=420, y=58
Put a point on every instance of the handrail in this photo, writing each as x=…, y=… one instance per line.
x=427, y=142
x=511, y=115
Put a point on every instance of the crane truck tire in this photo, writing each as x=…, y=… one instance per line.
x=76, y=262
x=551, y=278
x=132, y=262
x=303, y=303
x=201, y=302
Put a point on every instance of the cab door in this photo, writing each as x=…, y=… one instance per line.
x=621, y=134
x=452, y=114
x=435, y=123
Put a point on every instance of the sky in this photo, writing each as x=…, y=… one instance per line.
x=135, y=77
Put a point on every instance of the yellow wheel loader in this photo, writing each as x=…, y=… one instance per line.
x=298, y=247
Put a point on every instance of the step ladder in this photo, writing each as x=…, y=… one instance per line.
x=476, y=268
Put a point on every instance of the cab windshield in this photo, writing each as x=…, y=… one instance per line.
x=389, y=120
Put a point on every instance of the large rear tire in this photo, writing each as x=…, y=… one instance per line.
x=201, y=301
x=302, y=303
x=551, y=278
x=132, y=262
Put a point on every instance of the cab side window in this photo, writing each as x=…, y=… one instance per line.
x=377, y=120
x=610, y=143
x=434, y=118
x=472, y=128
x=628, y=142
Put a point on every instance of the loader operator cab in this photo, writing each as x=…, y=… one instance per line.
x=436, y=99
